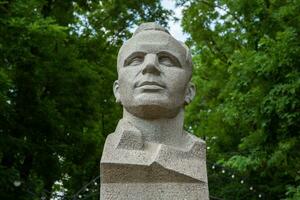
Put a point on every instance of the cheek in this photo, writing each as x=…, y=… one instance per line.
x=127, y=75
x=177, y=82
x=126, y=81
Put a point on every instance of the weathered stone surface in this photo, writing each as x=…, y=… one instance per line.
x=150, y=156
x=154, y=191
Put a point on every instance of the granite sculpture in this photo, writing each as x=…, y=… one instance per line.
x=150, y=156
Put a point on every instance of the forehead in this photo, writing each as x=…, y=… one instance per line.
x=152, y=42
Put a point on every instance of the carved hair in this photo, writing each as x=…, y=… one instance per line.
x=150, y=26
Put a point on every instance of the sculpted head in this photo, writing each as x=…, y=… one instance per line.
x=154, y=73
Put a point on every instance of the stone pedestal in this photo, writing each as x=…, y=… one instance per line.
x=157, y=191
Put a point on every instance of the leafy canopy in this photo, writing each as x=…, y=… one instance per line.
x=246, y=61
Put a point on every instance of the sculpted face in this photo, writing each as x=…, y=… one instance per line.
x=153, y=75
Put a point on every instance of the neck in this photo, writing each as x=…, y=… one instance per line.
x=167, y=131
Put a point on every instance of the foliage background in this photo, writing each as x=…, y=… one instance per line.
x=57, y=66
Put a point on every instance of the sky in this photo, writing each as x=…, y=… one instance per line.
x=175, y=28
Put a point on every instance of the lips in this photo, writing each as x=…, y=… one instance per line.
x=150, y=85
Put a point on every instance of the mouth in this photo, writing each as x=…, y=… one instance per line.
x=150, y=85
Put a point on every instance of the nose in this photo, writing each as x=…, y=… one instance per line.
x=151, y=64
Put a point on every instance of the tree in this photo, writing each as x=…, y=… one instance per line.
x=57, y=66
x=246, y=57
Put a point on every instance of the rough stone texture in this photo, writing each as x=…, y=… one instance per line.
x=157, y=191
x=150, y=156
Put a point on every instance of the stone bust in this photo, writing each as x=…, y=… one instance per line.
x=149, y=151
x=154, y=73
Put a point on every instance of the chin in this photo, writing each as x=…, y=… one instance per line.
x=153, y=106
x=152, y=111
x=153, y=99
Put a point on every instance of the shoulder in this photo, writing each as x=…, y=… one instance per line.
x=194, y=139
x=196, y=145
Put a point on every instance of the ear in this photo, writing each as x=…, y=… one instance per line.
x=190, y=93
x=116, y=91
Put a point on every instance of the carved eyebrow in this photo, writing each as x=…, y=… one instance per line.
x=133, y=55
x=171, y=56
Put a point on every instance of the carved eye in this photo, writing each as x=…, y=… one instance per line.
x=168, y=60
x=134, y=60
x=164, y=60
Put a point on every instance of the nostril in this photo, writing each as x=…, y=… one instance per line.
x=151, y=68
